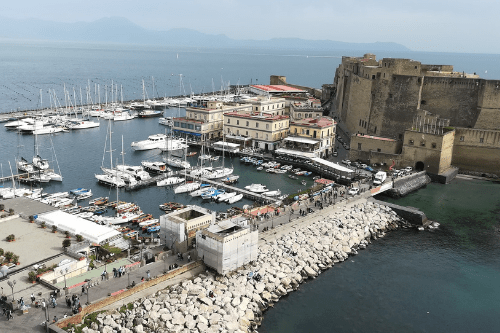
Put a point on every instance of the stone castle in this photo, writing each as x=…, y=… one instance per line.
x=391, y=98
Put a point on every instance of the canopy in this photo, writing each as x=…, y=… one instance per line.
x=297, y=153
x=76, y=225
x=332, y=165
x=301, y=139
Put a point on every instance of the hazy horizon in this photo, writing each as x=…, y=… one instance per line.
x=432, y=26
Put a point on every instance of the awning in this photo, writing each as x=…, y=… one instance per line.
x=332, y=165
x=185, y=132
x=237, y=137
x=297, y=153
x=301, y=139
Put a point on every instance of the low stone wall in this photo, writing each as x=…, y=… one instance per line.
x=77, y=319
x=408, y=184
x=410, y=214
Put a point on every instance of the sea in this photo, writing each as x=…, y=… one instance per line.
x=445, y=280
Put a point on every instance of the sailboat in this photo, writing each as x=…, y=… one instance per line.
x=106, y=178
x=124, y=173
x=187, y=187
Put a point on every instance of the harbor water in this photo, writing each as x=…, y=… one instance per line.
x=440, y=281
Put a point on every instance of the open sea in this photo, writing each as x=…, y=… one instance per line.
x=447, y=280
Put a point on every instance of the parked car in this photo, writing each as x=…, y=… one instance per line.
x=346, y=162
x=335, y=154
x=362, y=166
x=353, y=191
x=369, y=168
x=408, y=169
x=347, y=147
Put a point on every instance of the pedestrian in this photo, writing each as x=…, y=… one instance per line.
x=65, y=315
x=68, y=301
x=43, y=304
x=103, y=274
x=142, y=279
x=148, y=273
x=54, y=303
x=114, y=272
x=21, y=302
x=9, y=315
x=32, y=298
x=83, y=289
x=4, y=311
x=55, y=319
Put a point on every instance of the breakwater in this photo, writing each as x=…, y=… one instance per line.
x=408, y=184
x=237, y=302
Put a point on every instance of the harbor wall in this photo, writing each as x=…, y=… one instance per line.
x=410, y=214
x=408, y=184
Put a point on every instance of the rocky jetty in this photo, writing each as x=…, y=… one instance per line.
x=236, y=303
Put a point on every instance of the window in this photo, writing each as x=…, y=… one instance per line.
x=373, y=77
x=246, y=133
x=390, y=95
x=257, y=125
x=359, y=146
x=237, y=132
x=375, y=130
x=237, y=122
x=410, y=142
x=248, y=123
x=197, y=127
x=422, y=143
x=481, y=140
x=433, y=145
x=183, y=125
x=462, y=138
x=267, y=126
x=360, y=122
x=307, y=132
x=190, y=126
x=400, y=136
x=176, y=124
x=256, y=108
x=257, y=135
x=228, y=121
x=267, y=136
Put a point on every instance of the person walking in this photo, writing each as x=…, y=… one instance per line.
x=148, y=273
x=83, y=290
x=32, y=298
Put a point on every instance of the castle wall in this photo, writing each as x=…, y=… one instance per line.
x=477, y=150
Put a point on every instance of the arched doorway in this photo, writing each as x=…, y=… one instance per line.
x=419, y=166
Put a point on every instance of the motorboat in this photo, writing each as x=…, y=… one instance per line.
x=122, y=116
x=176, y=162
x=172, y=144
x=260, y=168
x=170, y=181
x=51, y=129
x=155, y=141
x=99, y=201
x=225, y=196
x=143, y=225
x=272, y=193
x=15, y=124
x=188, y=187
x=136, y=171
x=149, y=113
x=256, y=188
x=237, y=197
x=167, y=121
x=171, y=206
x=231, y=179
x=111, y=180
x=157, y=167
x=82, y=124
x=25, y=166
x=212, y=194
x=280, y=170
x=53, y=176
x=82, y=195
x=203, y=188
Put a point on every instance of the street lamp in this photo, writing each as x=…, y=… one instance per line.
x=88, y=287
x=62, y=273
x=12, y=284
x=47, y=317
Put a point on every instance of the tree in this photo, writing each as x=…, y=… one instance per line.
x=43, y=225
x=66, y=243
x=54, y=228
x=11, y=211
x=9, y=255
x=66, y=233
x=15, y=259
x=1, y=252
x=79, y=238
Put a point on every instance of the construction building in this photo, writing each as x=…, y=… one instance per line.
x=226, y=246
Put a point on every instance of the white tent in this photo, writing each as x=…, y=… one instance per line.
x=91, y=231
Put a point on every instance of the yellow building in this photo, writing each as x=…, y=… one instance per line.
x=265, y=130
x=316, y=136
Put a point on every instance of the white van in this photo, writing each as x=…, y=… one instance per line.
x=380, y=177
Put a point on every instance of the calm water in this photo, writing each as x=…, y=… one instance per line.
x=441, y=281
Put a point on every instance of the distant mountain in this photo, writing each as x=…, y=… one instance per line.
x=123, y=31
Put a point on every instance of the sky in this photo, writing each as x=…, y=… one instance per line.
x=425, y=25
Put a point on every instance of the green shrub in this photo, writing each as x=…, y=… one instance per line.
x=1, y=252
x=31, y=276
x=66, y=243
x=79, y=238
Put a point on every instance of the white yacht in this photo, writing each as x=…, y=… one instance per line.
x=157, y=167
x=15, y=124
x=234, y=199
x=25, y=166
x=125, y=115
x=136, y=171
x=48, y=130
x=167, y=121
x=111, y=180
x=256, y=188
x=176, y=162
x=202, y=189
x=40, y=163
x=220, y=173
x=155, y=141
x=170, y=181
x=272, y=193
x=126, y=177
x=188, y=187
x=82, y=124
x=172, y=144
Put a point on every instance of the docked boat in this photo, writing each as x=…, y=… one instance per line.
x=280, y=170
x=260, y=168
x=122, y=116
x=293, y=177
x=188, y=187
x=82, y=124
x=99, y=201
x=219, y=173
x=167, y=121
x=231, y=179
x=149, y=223
x=212, y=194
x=170, y=181
x=191, y=154
x=225, y=196
x=142, y=218
x=176, y=162
x=171, y=206
x=131, y=234
x=172, y=144
x=237, y=197
x=203, y=188
x=149, y=114
x=136, y=171
x=40, y=163
x=155, y=141
x=303, y=182
x=272, y=193
x=82, y=195
x=111, y=180
x=156, y=167
x=256, y=188
x=25, y=166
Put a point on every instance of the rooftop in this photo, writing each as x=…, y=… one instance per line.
x=375, y=137
x=318, y=122
x=276, y=88
x=259, y=115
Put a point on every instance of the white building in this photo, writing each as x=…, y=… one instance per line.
x=226, y=246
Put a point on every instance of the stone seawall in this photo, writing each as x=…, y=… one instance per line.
x=409, y=214
x=408, y=184
x=235, y=303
